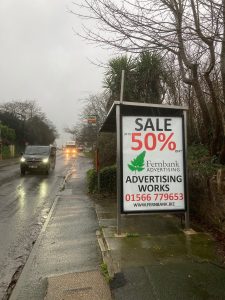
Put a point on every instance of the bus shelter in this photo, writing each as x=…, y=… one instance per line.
x=151, y=158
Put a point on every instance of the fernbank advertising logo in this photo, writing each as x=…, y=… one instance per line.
x=137, y=164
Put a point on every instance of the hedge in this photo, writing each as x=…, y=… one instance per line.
x=92, y=181
x=107, y=180
x=5, y=152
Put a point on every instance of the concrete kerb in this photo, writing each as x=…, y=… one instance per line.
x=68, y=175
x=112, y=267
x=106, y=255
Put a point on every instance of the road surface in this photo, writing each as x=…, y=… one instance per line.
x=24, y=205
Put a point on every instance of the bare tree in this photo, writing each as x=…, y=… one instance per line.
x=95, y=105
x=23, y=110
x=193, y=31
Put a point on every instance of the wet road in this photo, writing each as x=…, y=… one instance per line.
x=67, y=243
x=24, y=205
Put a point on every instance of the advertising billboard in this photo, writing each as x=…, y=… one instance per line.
x=153, y=164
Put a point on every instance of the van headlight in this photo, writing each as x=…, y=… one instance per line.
x=45, y=160
x=22, y=159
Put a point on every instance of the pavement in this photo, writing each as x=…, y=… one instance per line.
x=153, y=258
x=9, y=161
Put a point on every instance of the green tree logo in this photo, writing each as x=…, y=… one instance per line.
x=137, y=164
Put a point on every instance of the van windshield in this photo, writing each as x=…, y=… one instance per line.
x=37, y=150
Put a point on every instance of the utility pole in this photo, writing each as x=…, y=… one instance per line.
x=97, y=153
x=93, y=120
x=118, y=163
x=0, y=141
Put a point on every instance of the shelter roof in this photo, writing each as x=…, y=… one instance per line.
x=139, y=109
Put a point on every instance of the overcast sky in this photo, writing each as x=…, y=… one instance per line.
x=42, y=59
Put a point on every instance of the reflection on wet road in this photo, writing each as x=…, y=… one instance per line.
x=24, y=205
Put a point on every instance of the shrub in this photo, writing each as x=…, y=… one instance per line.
x=5, y=152
x=107, y=180
x=199, y=160
x=92, y=181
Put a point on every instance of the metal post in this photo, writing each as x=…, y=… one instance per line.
x=97, y=164
x=187, y=213
x=0, y=142
x=97, y=152
x=118, y=156
x=118, y=163
x=122, y=86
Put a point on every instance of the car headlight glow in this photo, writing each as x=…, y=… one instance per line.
x=22, y=159
x=45, y=160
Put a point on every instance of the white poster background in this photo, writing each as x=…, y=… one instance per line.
x=159, y=167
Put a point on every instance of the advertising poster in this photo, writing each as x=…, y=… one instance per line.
x=153, y=164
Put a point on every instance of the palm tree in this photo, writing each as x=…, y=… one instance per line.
x=112, y=81
x=144, y=78
x=150, y=77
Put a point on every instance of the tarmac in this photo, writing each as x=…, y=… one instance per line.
x=153, y=258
